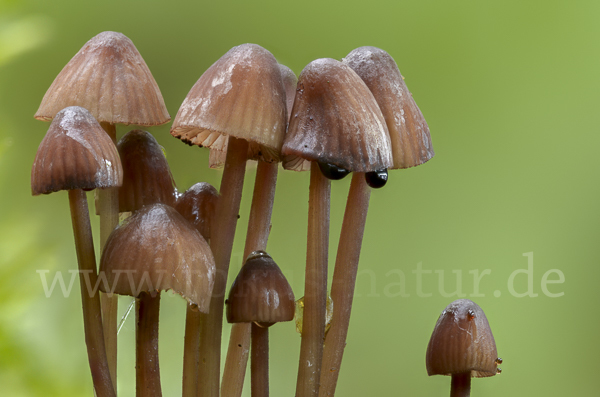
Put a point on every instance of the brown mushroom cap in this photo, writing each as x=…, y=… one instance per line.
x=217, y=157
x=147, y=178
x=157, y=249
x=109, y=77
x=336, y=120
x=198, y=205
x=409, y=132
x=290, y=82
x=240, y=95
x=462, y=342
x=260, y=293
x=76, y=153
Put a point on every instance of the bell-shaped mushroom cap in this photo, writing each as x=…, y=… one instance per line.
x=409, y=133
x=217, y=156
x=240, y=95
x=290, y=81
x=109, y=77
x=147, y=178
x=260, y=293
x=462, y=342
x=336, y=120
x=157, y=249
x=198, y=205
x=76, y=153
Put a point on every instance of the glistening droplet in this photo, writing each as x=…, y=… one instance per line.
x=498, y=370
x=470, y=315
x=332, y=172
x=377, y=179
x=498, y=360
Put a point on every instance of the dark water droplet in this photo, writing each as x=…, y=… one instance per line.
x=470, y=315
x=498, y=360
x=377, y=179
x=332, y=172
x=498, y=370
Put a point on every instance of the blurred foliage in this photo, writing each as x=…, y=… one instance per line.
x=510, y=92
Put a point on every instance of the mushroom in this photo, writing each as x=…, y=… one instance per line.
x=147, y=178
x=337, y=125
x=462, y=346
x=156, y=249
x=110, y=79
x=410, y=146
x=259, y=227
x=262, y=296
x=197, y=205
x=77, y=155
x=240, y=100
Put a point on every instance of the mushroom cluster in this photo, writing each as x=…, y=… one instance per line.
x=338, y=117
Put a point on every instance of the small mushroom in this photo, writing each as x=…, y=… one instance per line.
x=77, y=155
x=156, y=249
x=462, y=346
x=262, y=296
x=197, y=205
x=410, y=146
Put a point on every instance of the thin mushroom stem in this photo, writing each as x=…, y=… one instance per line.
x=191, y=350
x=228, y=207
x=259, y=365
x=259, y=226
x=461, y=385
x=315, y=288
x=146, y=353
x=344, y=280
x=92, y=315
x=108, y=208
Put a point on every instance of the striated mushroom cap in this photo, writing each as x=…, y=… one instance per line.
x=409, y=133
x=147, y=176
x=260, y=293
x=462, y=342
x=217, y=157
x=198, y=205
x=157, y=249
x=108, y=77
x=240, y=95
x=336, y=120
x=76, y=153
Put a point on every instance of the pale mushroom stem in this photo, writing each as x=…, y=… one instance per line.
x=344, y=280
x=92, y=314
x=221, y=243
x=259, y=226
x=146, y=353
x=108, y=209
x=461, y=385
x=315, y=285
x=259, y=365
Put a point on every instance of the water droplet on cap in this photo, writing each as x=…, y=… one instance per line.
x=377, y=179
x=332, y=172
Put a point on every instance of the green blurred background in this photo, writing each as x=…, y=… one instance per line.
x=510, y=91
